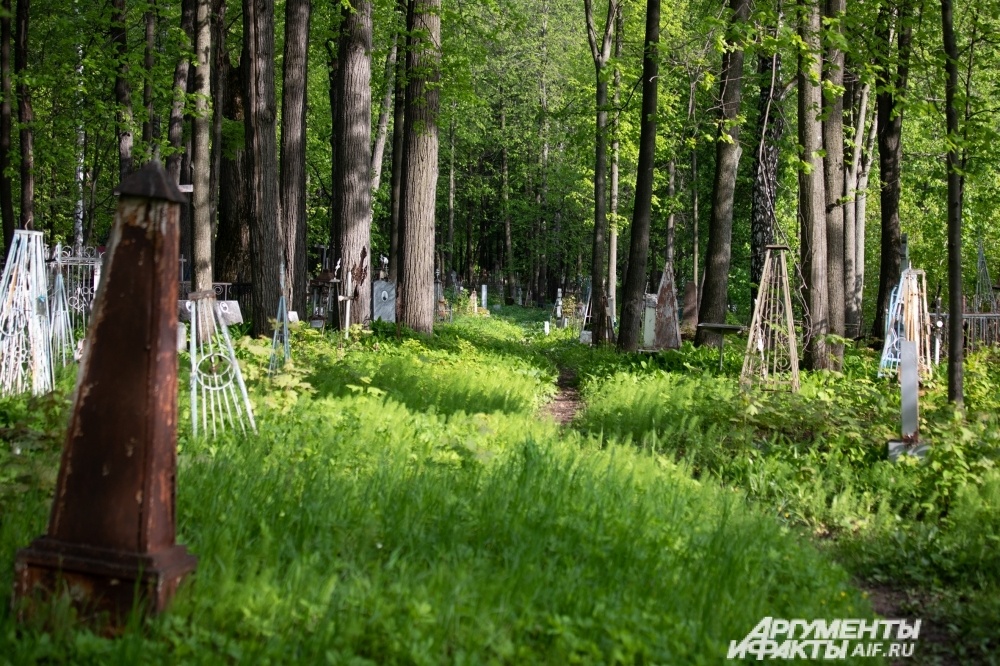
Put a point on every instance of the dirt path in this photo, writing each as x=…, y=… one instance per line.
x=935, y=646
x=567, y=404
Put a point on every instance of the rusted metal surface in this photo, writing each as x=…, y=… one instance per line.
x=112, y=527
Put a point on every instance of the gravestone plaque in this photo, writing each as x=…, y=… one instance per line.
x=384, y=301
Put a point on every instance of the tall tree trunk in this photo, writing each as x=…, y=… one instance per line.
x=853, y=236
x=175, y=125
x=505, y=205
x=812, y=193
x=220, y=58
x=956, y=307
x=118, y=36
x=382, y=133
x=615, y=158
x=354, y=191
x=25, y=116
x=833, y=173
x=635, y=277
x=148, y=62
x=398, y=147
x=293, y=149
x=892, y=88
x=232, y=248
x=420, y=176
x=266, y=237
x=600, y=49
x=861, y=216
x=672, y=216
x=201, y=158
x=715, y=292
x=336, y=115
x=449, y=250
x=770, y=128
x=540, y=253
x=6, y=184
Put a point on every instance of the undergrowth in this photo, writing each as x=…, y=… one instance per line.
x=405, y=502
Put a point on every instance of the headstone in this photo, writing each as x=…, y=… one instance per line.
x=383, y=301
x=546, y=327
x=484, y=297
x=111, y=534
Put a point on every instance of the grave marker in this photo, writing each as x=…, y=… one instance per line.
x=111, y=533
x=909, y=387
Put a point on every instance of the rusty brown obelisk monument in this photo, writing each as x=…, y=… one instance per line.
x=111, y=535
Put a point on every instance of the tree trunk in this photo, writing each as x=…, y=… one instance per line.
x=505, y=205
x=770, y=128
x=354, y=190
x=118, y=36
x=890, y=152
x=175, y=125
x=601, y=52
x=615, y=158
x=382, y=133
x=6, y=184
x=852, y=235
x=293, y=150
x=812, y=194
x=833, y=173
x=201, y=157
x=449, y=250
x=266, y=237
x=232, y=248
x=220, y=57
x=25, y=116
x=861, y=216
x=956, y=307
x=419, y=185
x=672, y=217
x=715, y=292
x=398, y=146
x=635, y=277
x=148, y=62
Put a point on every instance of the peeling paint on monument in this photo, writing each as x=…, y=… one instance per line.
x=111, y=533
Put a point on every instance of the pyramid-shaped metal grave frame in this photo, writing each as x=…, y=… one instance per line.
x=772, y=356
x=25, y=345
x=908, y=319
x=219, y=399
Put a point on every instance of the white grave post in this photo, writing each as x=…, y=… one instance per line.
x=909, y=387
x=546, y=327
x=484, y=297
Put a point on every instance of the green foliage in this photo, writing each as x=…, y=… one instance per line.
x=438, y=519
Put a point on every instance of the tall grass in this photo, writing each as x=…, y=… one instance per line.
x=409, y=524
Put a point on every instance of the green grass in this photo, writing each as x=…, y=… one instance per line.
x=405, y=502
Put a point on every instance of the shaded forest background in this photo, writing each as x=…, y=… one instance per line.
x=93, y=90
